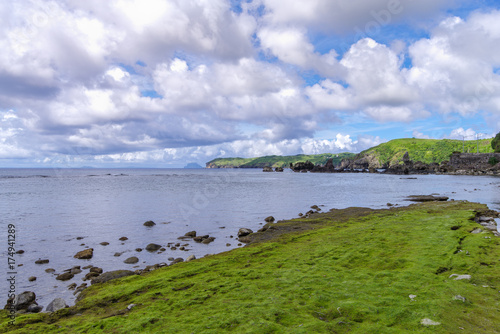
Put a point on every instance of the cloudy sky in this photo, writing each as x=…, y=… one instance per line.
x=161, y=83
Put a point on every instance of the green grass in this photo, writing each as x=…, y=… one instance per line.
x=424, y=150
x=277, y=161
x=340, y=276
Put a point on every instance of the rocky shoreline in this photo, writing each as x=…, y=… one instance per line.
x=26, y=302
x=193, y=279
x=459, y=164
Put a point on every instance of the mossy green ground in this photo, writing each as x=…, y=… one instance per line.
x=340, y=276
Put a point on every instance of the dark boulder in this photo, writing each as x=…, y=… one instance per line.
x=21, y=301
x=110, y=275
x=40, y=261
x=84, y=254
x=243, y=232
x=191, y=234
x=131, y=260
x=269, y=219
x=153, y=247
x=208, y=240
x=65, y=276
x=149, y=223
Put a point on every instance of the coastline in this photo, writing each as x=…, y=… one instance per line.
x=266, y=255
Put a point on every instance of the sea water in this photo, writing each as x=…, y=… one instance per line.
x=58, y=212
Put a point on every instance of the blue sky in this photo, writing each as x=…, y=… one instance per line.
x=161, y=83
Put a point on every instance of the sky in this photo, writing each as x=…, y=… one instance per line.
x=163, y=83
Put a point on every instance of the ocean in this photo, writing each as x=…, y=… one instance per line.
x=58, y=212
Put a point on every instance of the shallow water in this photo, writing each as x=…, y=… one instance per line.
x=50, y=208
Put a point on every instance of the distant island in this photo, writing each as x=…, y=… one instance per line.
x=192, y=165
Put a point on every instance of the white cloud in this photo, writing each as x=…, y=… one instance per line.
x=74, y=75
x=292, y=46
x=460, y=133
x=343, y=16
x=419, y=135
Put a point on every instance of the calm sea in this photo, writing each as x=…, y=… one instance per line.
x=51, y=208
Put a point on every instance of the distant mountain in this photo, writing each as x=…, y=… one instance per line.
x=276, y=160
x=192, y=165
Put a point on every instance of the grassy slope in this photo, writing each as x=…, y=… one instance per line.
x=425, y=150
x=340, y=277
x=278, y=161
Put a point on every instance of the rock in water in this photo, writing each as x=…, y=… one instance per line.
x=84, y=254
x=243, y=232
x=65, y=276
x=131, y=260
x=149, y=223
x=153, y=247
x=40, y=261
x=56, y=305
x=269, y=219
x=191, y=234
x=191, y=258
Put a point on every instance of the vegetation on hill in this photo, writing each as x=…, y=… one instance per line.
x=495, y=143
x=424, y=150
x=276, y=161
x=379, y=272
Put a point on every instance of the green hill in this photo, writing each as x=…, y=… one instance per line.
x=276, y=160
x=424, y=150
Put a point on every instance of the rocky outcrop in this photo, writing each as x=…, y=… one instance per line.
x=302, y=166
x=267, y=169
x=149, y=223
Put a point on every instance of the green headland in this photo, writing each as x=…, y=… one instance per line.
x=389, y=153
x=344, y=271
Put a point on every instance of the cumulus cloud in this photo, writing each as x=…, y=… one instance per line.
x=343, y=16
x=166, y=80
